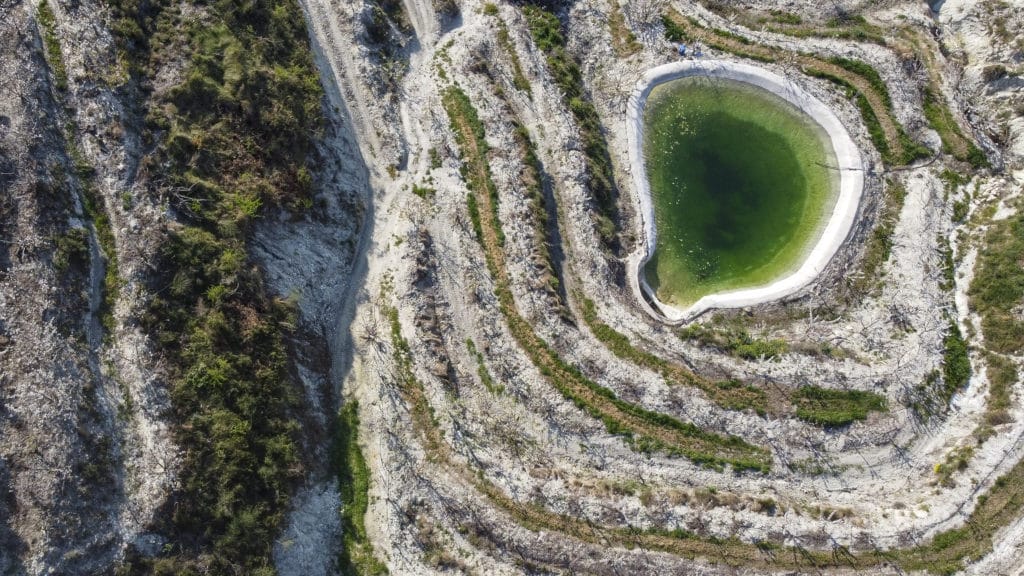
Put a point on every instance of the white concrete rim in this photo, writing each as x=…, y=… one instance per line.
x=851, y=186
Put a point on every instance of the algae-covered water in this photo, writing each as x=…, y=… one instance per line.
x=740, y=183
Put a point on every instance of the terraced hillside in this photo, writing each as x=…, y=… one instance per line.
x=348, y=286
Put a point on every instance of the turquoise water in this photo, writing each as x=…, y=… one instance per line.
x=740, y=183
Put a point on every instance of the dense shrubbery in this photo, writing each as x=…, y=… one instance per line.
x=54, y=58
x=233, y=138
x=956, y=362
x=71, y=249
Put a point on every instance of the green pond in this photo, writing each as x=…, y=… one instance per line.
x=740, y=185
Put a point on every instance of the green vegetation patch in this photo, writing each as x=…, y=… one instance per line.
x=460, y=108
x=735, y=342
x=71, y=249
x=357, y=558
x=54, y=58
x=827, y=407
x=997, y=290
x=1003, y=375
x=956, y=364
x=940, y=117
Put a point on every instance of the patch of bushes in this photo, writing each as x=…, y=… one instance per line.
x=386, y=15
x=956, y=461
x=233, y=140
x=1002, y=377
x=673, y=31
x=424, y=192
x=783, y=17
x=71, y=249
x=953, y=140
x=735, y=342
x=832, y=408
x=956, y=362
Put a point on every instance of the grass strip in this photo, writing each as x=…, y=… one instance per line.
x=519, y=81
x=48, y=21
x=736, y=342
x=357, y=557
x=644, y=430
x=997, y=290
x=623, y=39
x=1002, y=377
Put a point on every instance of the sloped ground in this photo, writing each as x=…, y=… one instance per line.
x=518, y=410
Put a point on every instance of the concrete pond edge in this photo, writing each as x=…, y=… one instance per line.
x=840, y=223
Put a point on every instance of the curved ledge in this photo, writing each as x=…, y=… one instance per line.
x=851, y=184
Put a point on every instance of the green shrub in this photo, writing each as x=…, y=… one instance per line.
x=735, y=342
x=827, y=407
x=956, y=362
x=71, y=249
x=674, y=32
x=236, y=134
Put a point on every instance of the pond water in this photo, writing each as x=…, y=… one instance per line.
x=741, y=182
